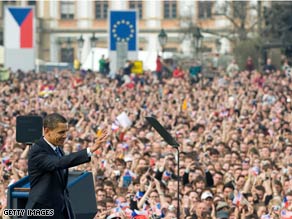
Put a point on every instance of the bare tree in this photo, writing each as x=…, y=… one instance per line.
x=242, y=16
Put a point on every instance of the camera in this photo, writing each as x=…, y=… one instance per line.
x=209, y=138
x=154, y=216
x=288, y=72
x=205, y=214
x=148, y=177
x=276, y=208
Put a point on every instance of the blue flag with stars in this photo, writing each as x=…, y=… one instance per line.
x=123, y=28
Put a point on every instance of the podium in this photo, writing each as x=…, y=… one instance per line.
x=81, y=191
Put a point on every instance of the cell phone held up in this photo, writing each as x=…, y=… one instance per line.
x=126, y=181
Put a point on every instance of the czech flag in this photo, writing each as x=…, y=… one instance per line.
x=266, y=216
x=237, y=199
x=166, y=175
x=103, y=164
x=115, y=126
x=19, y=35
x=138, y=195
x=285, y=214
x=139, y=214
x=285, y=202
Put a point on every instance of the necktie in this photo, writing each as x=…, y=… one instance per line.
x=58, y=152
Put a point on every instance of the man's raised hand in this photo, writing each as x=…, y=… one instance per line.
x=101, y=139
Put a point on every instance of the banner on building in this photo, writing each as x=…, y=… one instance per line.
x=19, y=38
x=123, y=28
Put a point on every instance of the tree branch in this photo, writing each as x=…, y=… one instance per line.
x=232, y=20
x=251, y=26
x=227, y=36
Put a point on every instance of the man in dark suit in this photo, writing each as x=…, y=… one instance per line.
x=48, y=168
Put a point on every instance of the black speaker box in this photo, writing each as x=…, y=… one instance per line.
x=28, y=128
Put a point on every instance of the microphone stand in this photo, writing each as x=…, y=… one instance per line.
x=178, y=179
x=171, y=141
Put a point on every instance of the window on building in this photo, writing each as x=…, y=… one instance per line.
x=31, y=3
x=1, y=39
x=171, y=49
x=239, y=9
x=138, y=6
x=101, y=9
x=67, y=10
x=7, y=3
x=205, y=9
x=67, y=55
x=219, y=8
x=170, y=9
x=34, y=4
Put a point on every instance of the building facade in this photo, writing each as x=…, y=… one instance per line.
x=61, y=23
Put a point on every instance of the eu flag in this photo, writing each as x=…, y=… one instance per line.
x=123, y=28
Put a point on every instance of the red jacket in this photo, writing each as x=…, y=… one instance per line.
x=178, y=73
x=158, y=65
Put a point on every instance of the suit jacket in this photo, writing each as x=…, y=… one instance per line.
x=48, y=176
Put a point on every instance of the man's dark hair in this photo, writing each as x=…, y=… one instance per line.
x=101, y=203
x=240, y=176
x=247, y=195
x=219, y=173
x=235, y=152
x=109, y=183
x=109, y=200
x=120, y=161
x=199, y=179
x=221, y=143
x=252, y=216
x=214, y=151
x=100, y=190
x=136, y=181
x=260, y=188
x=51, y=121
x=228, y=185
x=278, y=182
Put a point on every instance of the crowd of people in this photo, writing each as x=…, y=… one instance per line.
x=234, y=131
